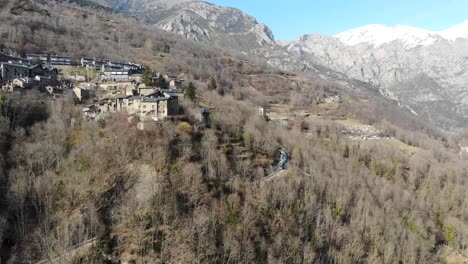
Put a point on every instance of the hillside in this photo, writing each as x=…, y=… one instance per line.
x=223, y=27
x=418, y=69
x=83, y=191
x=391, y=59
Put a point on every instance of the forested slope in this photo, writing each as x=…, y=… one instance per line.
x=183, y=193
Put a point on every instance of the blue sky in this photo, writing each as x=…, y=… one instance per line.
x=292, y=18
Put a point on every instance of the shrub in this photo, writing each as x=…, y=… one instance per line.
x=184, y=128
x=101, y=123
x=449, y=234
x=248, y=140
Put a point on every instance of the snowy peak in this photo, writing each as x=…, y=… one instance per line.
x=458, y=31
x=411, y=37
x=377, y=35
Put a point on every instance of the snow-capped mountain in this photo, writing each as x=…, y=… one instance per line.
x=378, y=35
x=422, y=70
x=456, y=32
x=411, y=37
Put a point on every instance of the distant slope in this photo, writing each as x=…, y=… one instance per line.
x=377, y=35
x=385, y=57
x=394, y=59
x=223, y=27
x=198, y=20
x=88, y=3
x=459, y=31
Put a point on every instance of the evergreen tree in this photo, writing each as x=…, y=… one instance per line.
x=190, y=91
x=147, y=77
x=213, y=85
x=37, y=61
x=161, y=82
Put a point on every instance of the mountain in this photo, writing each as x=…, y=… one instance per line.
x=393, y=60
x=224, y=27
x=411, y=37
x=421, y=70
x=199, y=20
x=378, y=35
x=456, y=32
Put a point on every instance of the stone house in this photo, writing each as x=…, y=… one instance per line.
x=60, y=60
x=145, y=90
x=90, y=111
x=50, y=59
x=83, y=92
x=172, y=93
x=4, y=57
x=175, y=84
x=45, y=81
x=109, y=73
x=11, y=71
x=107, y=105
x=35, y=57
x=53, y=90
x=22, y=83
x=155, y=106
x=133, y=67
x=85, y=61
x=93, y=62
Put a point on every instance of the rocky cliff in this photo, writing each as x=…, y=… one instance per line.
x=421, y=70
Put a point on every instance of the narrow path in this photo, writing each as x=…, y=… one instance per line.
x=71, y=253
x=271, y=176
x=279, y=173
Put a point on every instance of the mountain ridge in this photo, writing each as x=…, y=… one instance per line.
x=395, y=57
x=379, y=34
x=384, y=57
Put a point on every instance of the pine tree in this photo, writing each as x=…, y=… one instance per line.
x=161, y=82
x=213, y=85
x=190, y=91
x=147, y=77
x=37, y=61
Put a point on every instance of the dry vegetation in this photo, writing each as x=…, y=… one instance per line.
x=183, y=193
x=187, y=193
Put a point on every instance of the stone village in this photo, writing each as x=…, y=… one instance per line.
x=99, y=85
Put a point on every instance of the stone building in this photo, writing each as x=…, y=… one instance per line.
x=155, y=106
x=115, y=74
x=84, y=92
x=10, y=71
x=50, y=59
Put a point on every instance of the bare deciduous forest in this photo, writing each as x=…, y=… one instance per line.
x=75, y=191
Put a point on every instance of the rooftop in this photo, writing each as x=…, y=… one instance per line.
x=51, y=55
x=146, y=99
x=154, y=99
x=27, y=66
